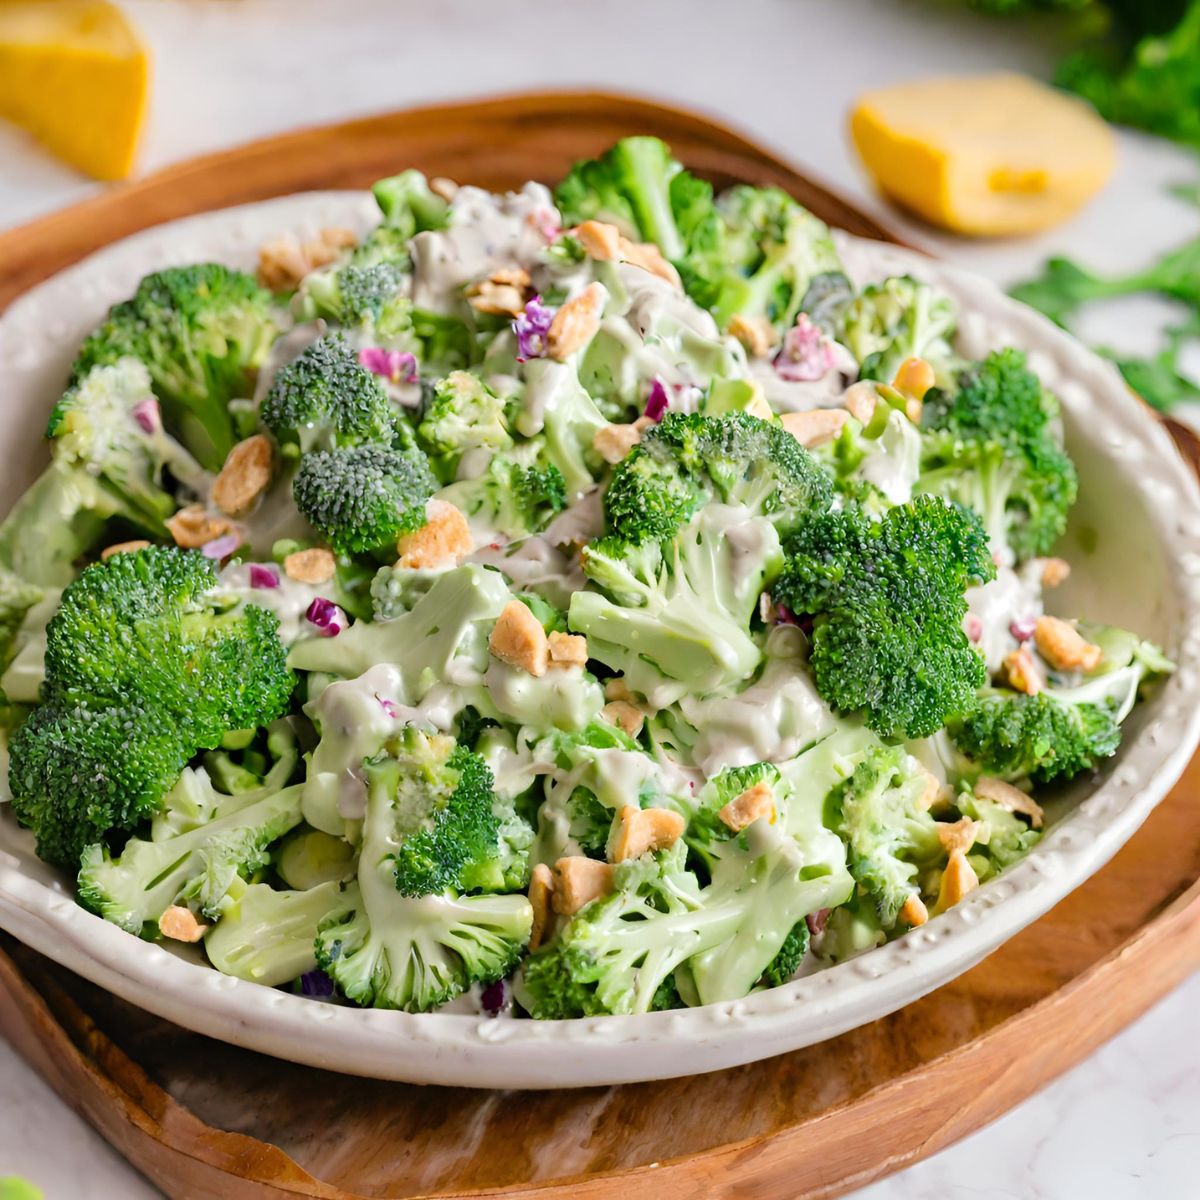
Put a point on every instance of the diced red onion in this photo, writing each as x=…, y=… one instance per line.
x=531, y=328
x=399, y=366
x=494, y=998
x=221, y=547
x=146, y=414
x=807, y=354
x=326, y=617
x=390, y=707
x=262, y=576
x=973, y=627
x=817, y=921
x=1023, y=629
x=658, y=400
x=315, y=983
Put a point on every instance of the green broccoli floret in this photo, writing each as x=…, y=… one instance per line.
x=514, y=495
x=198, y=869
x=887, y=828
x=791, y=954
x=1014, y=736
x=201, y=331
x=774, y=250
x=887, y=598
x=687, y=461
x=325, y=397
x=369, y=297
x=362, y=498
x=896, y=319
x=680, y=609
x=993, y=445
x=251, y=760
x=409, y=206
x=463, y=414
x=16, y=599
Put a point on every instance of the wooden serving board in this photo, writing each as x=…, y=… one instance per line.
x=207, y=1121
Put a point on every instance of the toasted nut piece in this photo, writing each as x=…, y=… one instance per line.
x=194, y=526
x=1064, y=647
x=1055, y=571
x=439, y=185
x=617, y=689
x=759, y=406
x=958, y=879
x=815, y=427
x=244, y=477
x=959, y=835
x=1022, y=672
x=641, y=830
x=768, y=614
x=600, y=240
x=913, y=409
x=443, y=541
x=124, y=548
x=576, y=322
x=913, y=911
x=310, y=566
x=180, y=925
x=328, y=244
x=624, y=716
x=567, y=649
x=650, y=258
x=757, y=334
x=752, y=805
x=513, y=276
x=284, y=261
x=541, y=892
x=860, y=400
x=497, y=299
x=614, y=442
x=1010, y=798
x=519, y=639
x=914, y=378
x=579, y=881
x=932, y=792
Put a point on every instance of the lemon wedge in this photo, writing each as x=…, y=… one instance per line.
x=987, y=155
x=75, y=74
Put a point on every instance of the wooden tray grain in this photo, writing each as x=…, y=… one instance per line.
x=207, y=1121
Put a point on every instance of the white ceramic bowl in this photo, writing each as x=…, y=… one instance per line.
x=1135, y=544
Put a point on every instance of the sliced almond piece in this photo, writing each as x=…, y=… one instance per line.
x=1064, y=647
x=567, y=649
x=600, y=240
x=752, y=805
x=614, y=442
x=1022, y=671
x=816, y=426
x=244, y=477
x=576, y=322
x=124, y=548
x=443, y=541
x=959, y=835
x=180, y=925
x=519, y=639
x=624, y=716
x=958, y=879
x=860, y=401
x=310, y=566
x=641, y=830
x=1055, y=571
x=913, y=911
x=194, y=526
x=541, y=893
x=650, y=258
x=1010, y=798
x=757, y=334
x=578, y=881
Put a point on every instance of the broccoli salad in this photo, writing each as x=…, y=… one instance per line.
x=555, y=604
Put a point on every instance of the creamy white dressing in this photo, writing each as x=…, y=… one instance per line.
x=994, y=606
x=893, y=460
x=289, y=601
x=564, y=698
x=532, y=564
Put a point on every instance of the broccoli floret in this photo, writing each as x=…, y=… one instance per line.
x=993, y=445
x=79, y=768
x=252, y=760
x=791, y=954
x=17, y=598
x=389, y=950
x=463, y=414
x=269, y=936
x=409, y=206
x=369, y=297
x=896, y=319
x=680, y=609
x=514, y=495
x=887, y=829
x=887, y=598
x=198, y=868
x=687, y=461
x=325, y=397
x=1014, y=736
x=362, y=498
x=776, y=249
x=201, y=331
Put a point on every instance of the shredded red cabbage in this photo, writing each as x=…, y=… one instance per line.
x=326, y=617
x=531, y=328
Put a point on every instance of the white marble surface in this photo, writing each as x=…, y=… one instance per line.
x=1125, y=1125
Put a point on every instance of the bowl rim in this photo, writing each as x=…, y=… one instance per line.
x=463, y=1050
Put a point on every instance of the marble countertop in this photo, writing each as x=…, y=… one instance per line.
x=1125, y=1124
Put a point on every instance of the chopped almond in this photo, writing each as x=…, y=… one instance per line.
x=497, y=299
x=913, y=379
x=617, y=689
x=860, y=401
x=600, y=240
x=124, y=548
x=194, y=526
x=958, y=879
x=1010, y=798
x=578, y=881
x=959, y=835
x=541, y=893
x=1064, y=647
x=245, y=475
x=614, y=442
x=650, y=258
x=757, y=334
x=180, y=925
x=1022, y=671
x=439, y=185
x=443, y=541
x=1055, y=571
x=285, y=261
x=913, y=911
x=567, y=649
x=815, y=427
x=624, y=716
x=576, y=322
x=752, y=805
x=519, y=639
x=310, y=566
x=932, y=791
x=641, y=830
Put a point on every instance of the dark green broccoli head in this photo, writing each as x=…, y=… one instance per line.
x=201, y=331
x=1015, y=736
x=688, y=460
x=81, y=767
x=325, y=397
x=146, y=627
x=993, y=445
x=791, y=954
x=896, y=319
x=362, y=295
x=887, y=598
x=362, y=498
